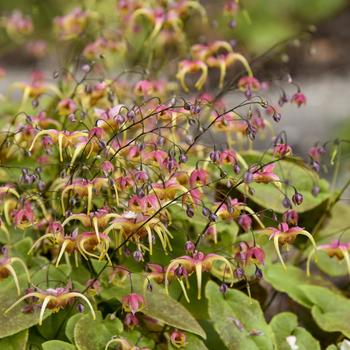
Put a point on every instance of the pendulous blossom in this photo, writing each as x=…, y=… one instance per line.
x=54, y=299
x=284, y=235
x=198, y=263
x=335, y=248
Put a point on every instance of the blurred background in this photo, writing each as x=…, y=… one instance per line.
x=306, y=39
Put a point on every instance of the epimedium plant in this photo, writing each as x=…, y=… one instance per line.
x=136, y=211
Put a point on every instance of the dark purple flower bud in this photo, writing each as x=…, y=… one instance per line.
x=287, y=203
x=137, y=255
x=316, y=166
x=196, y=109
x=258, y=273
x=248, y=177
x=41, y=185
x=213, y=217
x=297, y=198
x=205, y=211
x=215, y=156
x=131, y=115
x=315, y=191
x=236, y=169
x=276, y=116
x=283, y=99
x=80, y=308
x=126, y=252
x=248, y=93
x=223, y=288
x=190, y=212
x=183, y=158
x=187, y=106
x=160, y=141
x=232, y=24
x=190, y=247
x=239, y=273
x=179, y=271
x=149, y=287
x=35, y=103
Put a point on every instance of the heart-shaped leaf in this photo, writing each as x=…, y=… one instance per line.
x=330, y=310
x=285, y=325
x=92, y=334
x=15, y=342
x=238, y=320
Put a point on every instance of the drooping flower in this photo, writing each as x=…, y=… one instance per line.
x=286, y=235
x=133, y=303
x=178, y=339
x=54, y=299
x=265, y=175
x=7, y=269
x=333, y=249
x=198, y=263
x=136, y=226
x=299, y=99
x=189, y=67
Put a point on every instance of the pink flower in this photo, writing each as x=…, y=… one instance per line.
x=299, y=99
x=66, y=107
x=335, y=248
x=133, y=303
x=282, y=150
x=198, y=263
x=178, y=339
x=198, y=177
x=265, y=175
x=286, y=235
x=189, y=67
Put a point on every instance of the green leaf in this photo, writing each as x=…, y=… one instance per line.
x=238, y=320
x=57, y=345
x=15, y=342
x=283, y=325
x=92, y=334
x=330, y=310
x=166, y=309
x=286, y=324
x=299, y=176
x=15, y=320
x=305, y=340
x=71, y=325
x=287, y=281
